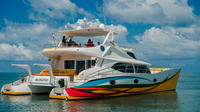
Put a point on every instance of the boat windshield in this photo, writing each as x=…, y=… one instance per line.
x=129, y=68
x=131, y=55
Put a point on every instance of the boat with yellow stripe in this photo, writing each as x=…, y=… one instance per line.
x=117, y=72
x=92, y=71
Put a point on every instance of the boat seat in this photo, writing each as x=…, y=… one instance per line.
x=58, y=90
x=7, y=87
x=17, y=82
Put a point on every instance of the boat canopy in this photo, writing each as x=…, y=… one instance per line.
x=87, y=32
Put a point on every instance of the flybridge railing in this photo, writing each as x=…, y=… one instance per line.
x=52, y=45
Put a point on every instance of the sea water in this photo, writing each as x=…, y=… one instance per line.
x=185, y=99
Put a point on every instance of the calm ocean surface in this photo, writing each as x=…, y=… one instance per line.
x=185, y=99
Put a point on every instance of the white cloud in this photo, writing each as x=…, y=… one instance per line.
x=163, y=43
x=2, y=36
x=33, y=36
x=36, y=33
x=192, y=32
x=95, y=23
x=55, y=9
x=17, y=52
x=161, y=12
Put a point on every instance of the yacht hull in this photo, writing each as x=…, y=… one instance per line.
x=166, y=80
x=24, y=89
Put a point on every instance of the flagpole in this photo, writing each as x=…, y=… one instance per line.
x=54, y=40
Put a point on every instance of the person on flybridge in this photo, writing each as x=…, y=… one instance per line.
x=70, y=43
x=89, y=43
x=64, y=41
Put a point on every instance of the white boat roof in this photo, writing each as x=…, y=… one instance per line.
x=126, y=60
x=87, y=32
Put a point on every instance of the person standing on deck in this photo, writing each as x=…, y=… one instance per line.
x=64, y=41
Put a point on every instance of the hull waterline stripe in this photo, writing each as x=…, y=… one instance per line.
x=117, y=92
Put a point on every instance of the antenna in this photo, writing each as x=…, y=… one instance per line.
x=73, y=18
x=104, y=17
x=85, y=22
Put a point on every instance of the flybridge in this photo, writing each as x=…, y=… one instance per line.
x=87, y=32
x=108, y=50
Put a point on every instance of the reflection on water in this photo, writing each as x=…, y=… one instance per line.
x=185, y=99
x=147, y=102
x=138, y=103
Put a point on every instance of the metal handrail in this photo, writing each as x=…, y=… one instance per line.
x=60, y=44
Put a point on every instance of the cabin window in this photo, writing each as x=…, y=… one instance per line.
x=69, y=64
x=141, y=69
x=88, y=63
x=136, y=81
x=128, y=68
x=123, y=67
x=131, y=55
x=93, y=62
x=112, y=82
x=80, y=66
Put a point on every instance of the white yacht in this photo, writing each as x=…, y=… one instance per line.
x=104, y=70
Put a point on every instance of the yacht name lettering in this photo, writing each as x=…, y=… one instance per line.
x=41, y=79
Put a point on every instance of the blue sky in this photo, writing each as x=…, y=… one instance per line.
x=165, y=33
